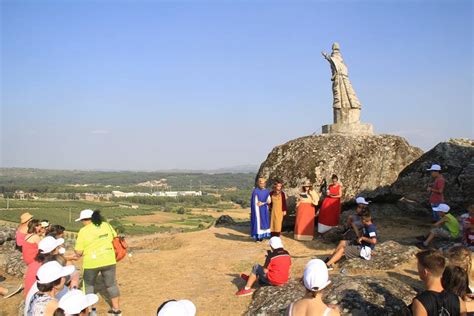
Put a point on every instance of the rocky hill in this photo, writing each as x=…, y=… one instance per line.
x=363, y=163
x=456, y=158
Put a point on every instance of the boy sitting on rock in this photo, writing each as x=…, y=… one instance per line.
x=446, y=227
x=275, y=271
x=354, y=221
x=364, y=246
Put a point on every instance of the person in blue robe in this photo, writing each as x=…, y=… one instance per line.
x=259, y=211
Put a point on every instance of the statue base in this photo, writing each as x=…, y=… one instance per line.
x=348, y=128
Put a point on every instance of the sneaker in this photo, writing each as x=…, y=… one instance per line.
x=330, y=267
x=114, y=312
x=327, y=259
x=244, y=276
x=244, y=292
x=13, y=291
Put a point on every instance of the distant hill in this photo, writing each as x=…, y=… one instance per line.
x=29, y=178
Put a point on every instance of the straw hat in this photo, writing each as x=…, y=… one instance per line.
x=25, y=217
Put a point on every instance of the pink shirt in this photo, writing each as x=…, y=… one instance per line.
x=20, y=238
x=438, y=184
x=30, y=275
x=29, y=251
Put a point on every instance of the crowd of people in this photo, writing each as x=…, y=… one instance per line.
x=54, y=286
x=52, y=281
x=445, y=275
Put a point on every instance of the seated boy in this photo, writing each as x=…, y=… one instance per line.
x=275, y=271
x=434, y=301
x=354, y=221
x=364, y=246
x=446, y=227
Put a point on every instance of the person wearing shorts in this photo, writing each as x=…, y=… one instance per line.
x=275, y=271
x=94, y=244
x=354, y=221
x=447, y=227
x=360, y=249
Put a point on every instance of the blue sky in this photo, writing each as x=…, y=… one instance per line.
x=208, y=84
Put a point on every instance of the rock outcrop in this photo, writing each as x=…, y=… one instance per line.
x=363, y=163
x=387, y=255
x=224, y=220
x=355, y=295
x=456, y=158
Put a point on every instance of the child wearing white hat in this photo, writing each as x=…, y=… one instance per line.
x=51, y=277
x=315, y=279
x=354, y=221
x=75, y=303
x=275, y=271
x=175, y=308
x=447, y=227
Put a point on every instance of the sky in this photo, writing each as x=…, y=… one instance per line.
x=154, y=85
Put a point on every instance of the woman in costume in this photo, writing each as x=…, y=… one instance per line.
x=331, y=207
x=305, y=212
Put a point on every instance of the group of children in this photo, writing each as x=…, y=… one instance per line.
x=51, y=281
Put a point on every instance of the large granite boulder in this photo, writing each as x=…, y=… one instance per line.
x=456, y=158
x=355, y=295
x=363, y=163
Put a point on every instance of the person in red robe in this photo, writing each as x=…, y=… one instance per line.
x=331, y=208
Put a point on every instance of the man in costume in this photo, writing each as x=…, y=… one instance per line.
x=259, y=215
x=277, y=208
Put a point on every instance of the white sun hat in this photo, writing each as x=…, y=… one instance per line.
x=85, y=214
x=51, y=271
x=316, y=275
x=442, y=208
x=361, y=200
x=75, y=301
x=434, y=167
x=275, y=242
x=178, y=308
x=49, y=243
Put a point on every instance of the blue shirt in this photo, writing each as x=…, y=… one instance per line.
x=369, y=231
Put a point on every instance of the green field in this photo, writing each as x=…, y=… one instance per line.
x=64, y=212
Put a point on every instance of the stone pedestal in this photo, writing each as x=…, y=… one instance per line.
x=348, y=128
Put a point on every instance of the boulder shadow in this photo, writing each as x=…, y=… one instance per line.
x=237, y=280
x=415, y=284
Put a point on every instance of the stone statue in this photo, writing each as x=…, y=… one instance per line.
x=345, y=102
x=346, y=105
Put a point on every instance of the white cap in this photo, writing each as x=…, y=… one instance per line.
x=49, y=243
x=85, y=214
x=44, y=224
x=316, y=276
x=361, y=200
x=434, y=167
x=442, y=208
x=51, y=271
x=178, y=308
x=275, y=242
x=74, y=301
